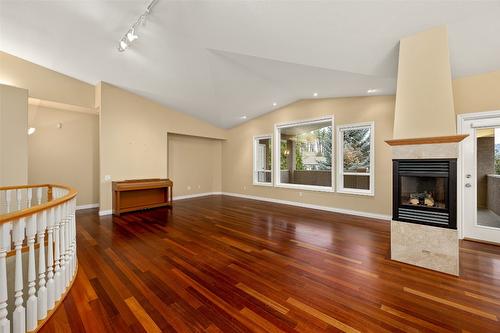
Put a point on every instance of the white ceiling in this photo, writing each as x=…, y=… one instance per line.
x=220, y=60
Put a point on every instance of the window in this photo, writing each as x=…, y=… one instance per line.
x=262, y=160
x=304, y=154
x=355, y=159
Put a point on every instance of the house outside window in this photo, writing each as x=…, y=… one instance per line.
x=305, y=154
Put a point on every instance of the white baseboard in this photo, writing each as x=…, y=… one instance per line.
x=87, y=206
x=105, y=212
x=279, y=201
x=181, y=197
x=312, y=206
x=189, y=196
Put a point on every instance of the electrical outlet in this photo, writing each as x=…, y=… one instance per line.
x=107, y=178
x=244, y=187
x=199, y=186
x=189, y=187
x=300, y=194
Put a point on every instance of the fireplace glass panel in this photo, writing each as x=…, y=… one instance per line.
x=423, y=191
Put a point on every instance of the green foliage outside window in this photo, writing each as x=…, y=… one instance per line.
x=357, y=149
x=497, y=159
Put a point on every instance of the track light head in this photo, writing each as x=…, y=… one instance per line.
x=131, y=36
x=123, y=45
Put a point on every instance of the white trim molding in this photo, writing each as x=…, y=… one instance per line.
x=196, y=195
x=377, y=216
x=254, y=154
x=88, y=206
x=340, y=159
x=277, y=154
x=313, y=206
x=105, y=212
x=479, y=118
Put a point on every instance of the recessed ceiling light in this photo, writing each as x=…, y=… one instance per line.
x=274, y=103
x=371, y=91
x=315, y=94
x=243, y=117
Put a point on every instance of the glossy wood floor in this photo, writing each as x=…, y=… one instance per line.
x=234, y=265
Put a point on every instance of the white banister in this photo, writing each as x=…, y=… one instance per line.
x=42, y=290
x=4, y=247
x=29, y=194
x=19, y=197
x=39, y=195
x=31, y=304
x=67, y=208
x=57, y=268
x=28, y=214
x=8, y=200
x=19, y=316
x=51, y=294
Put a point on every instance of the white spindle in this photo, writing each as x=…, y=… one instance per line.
x=62, y=252
x=29, y=194
x=57, y=268
x=31, y=304
x=8, y=199
x=39, y=195
x=19, y=197
x=67, y=242
x=4, y=238
x=73, y=237
x=19, y=316
x=42, y=290
x=50, y=261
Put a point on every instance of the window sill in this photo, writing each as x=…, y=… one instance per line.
x=262, y=184
x=306, y=187
x=357, y=192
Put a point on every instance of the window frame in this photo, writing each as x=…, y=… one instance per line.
x=340, y=159
x=256, y=138
x=277, y=154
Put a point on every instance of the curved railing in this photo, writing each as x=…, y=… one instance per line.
x=35, y=221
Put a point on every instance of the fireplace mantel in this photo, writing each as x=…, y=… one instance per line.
x=427, y=141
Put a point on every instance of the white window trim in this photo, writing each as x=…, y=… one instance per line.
x=277, y=155
x=340, y=160
x=254, y=169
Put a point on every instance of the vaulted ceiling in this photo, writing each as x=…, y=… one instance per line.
x=221, y=60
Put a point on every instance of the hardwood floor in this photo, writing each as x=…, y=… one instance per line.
x=234, y=265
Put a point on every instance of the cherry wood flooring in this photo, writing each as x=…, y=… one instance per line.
x=227, y=264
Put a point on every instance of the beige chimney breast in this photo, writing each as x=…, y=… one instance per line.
x=424, y=97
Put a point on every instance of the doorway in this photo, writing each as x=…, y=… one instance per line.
x=480, y=176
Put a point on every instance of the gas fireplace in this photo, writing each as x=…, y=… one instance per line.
x=424, y=192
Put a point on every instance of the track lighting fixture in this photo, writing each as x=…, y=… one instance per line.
x=131, y=35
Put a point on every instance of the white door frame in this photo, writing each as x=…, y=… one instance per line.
x=461, y=119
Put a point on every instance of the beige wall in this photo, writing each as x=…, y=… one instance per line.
x=237, y=151
x=13, y=136
x=424, y=98
x=477, y=93
x=194, y=164
x=133, y=137
x=66, y=155
x=69, y=155
x=44, y=83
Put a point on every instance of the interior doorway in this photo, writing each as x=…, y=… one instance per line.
x=480, y=176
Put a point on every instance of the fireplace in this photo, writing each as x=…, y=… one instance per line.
x=424, y=192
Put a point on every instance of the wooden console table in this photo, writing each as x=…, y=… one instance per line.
x=137, y=194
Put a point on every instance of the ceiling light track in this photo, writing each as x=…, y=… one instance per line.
x=131, y=35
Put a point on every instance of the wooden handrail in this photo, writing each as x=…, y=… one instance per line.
x=38, y=208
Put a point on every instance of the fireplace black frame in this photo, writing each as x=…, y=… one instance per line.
x=428, y=170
